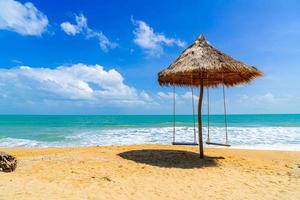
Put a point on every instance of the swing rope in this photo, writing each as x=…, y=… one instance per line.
x=207, y=90
x=174, y=114
x=225, y=112
x=174, y=120
x=193, y=115
x=225, y=115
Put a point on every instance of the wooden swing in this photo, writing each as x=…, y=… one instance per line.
x=225, y=120
x=208, y=142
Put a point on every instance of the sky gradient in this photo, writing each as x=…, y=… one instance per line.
x=102, y=57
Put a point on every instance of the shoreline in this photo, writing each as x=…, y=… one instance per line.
x=151, y=172
x=269, y=138
x=142, y=144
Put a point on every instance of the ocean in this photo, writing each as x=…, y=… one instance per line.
x=276, y=132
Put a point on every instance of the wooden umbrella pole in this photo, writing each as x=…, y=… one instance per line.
x=200, y=120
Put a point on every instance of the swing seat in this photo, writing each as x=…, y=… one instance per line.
x=218, y=144
x=185, y=143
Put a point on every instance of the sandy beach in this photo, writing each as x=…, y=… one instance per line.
x=151, y=172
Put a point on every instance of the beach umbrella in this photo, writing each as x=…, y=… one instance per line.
x=201, y=65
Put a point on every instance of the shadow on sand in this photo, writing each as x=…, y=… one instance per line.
x=170, y=158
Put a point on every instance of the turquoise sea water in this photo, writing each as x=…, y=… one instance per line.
x=245, y=131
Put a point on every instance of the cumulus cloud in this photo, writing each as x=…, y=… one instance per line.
x=24, y=19
x=78, y=88
x=184, y=98
x=146, y=96
x=258, y=99
x=266, y=102
x=79, y=82
x=188, y=96
x=72, y=88
x=73, y=29
x=69, y=28
x=152, y=42
x=166, y=95
x=81, y=27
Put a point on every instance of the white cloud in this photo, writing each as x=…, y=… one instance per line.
x=79, y=82
x=265, y=102
x=146, y=96
x=166, y=96
x=263, y=99
x=268, y=97
x=69, y=28
x=17, y=61
x=182, y=99
x=81, y=27
x=146, y=38
x=73, y=29
x=24, y=19
x=188, y=96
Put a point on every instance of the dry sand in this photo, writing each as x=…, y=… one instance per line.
x=151, y=172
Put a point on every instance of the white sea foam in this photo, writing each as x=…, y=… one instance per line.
x=14, y=142
x=276, y=138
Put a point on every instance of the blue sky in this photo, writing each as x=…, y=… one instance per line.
x=102, y=57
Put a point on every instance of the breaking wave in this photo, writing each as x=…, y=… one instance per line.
x=276, y=138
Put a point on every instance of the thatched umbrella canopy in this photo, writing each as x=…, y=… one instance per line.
x=202, y=65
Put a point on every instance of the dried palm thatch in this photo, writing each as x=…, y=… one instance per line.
x=201, y=62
